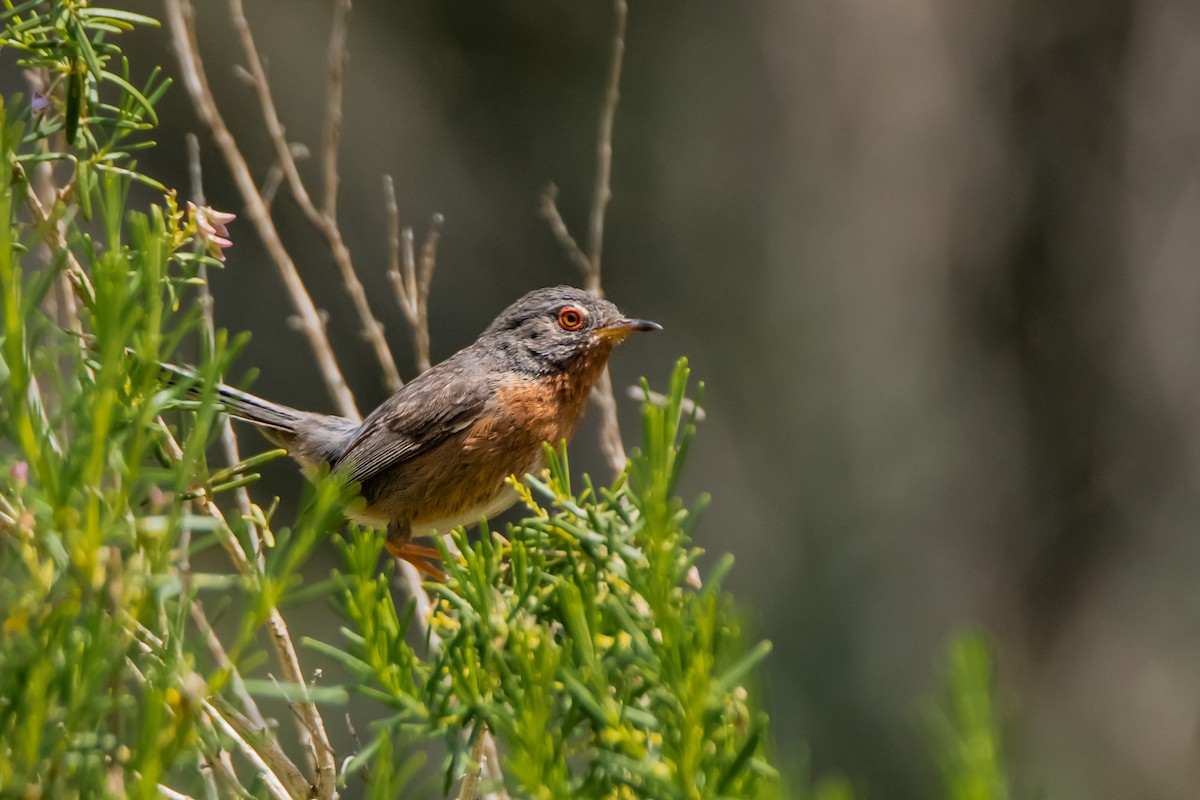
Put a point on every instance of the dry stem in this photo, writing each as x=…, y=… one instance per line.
x=333, y=104
x=228, y=438
x=471, y=780
x=322, y=219
x=589, y=262
x=181, y=18
x=603, y=189
x=274, y=784
x=411, y=280
x=562, y=233
x=181, y=22
x=312, y=725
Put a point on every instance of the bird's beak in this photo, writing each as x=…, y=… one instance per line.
x=623, y=327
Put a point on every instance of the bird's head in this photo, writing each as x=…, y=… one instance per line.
x=551, y=330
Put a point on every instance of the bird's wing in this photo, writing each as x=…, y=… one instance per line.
x=433, y=407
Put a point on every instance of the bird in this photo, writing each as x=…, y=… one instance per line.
x=439, y=452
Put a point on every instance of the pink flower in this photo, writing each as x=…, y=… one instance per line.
x=210, y=228
x=18, y=472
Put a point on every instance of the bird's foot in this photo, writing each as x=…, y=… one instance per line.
x=416, y=555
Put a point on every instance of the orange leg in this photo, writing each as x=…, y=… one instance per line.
x=422, y=551
x=416, y=554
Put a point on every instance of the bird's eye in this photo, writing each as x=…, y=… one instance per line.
x=570, y=318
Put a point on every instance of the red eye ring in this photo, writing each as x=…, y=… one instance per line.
x=571, y=318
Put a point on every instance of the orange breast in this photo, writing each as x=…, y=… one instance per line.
x=507, y=440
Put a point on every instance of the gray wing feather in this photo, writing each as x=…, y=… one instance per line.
x=437, y=404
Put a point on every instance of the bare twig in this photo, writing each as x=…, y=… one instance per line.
x=424, y=281
x=210, y=781
x=589, y=262
x=44, y=185
x=489, y=767
x=333, y=104
x=273, y=783
x=471, y=780
x=228, y=437
x=171, y=794
x=610, y=425
x=180, y=18
x=603, y=189
x=411, y=280
x=220, y=764
x=561, y=232
x=260, y=737
x=313, y=726
x=148, y=642
x=56, y=238
x=222, y=660
x=322, y=219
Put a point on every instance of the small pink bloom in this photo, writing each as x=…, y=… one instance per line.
x=211, y=228
x=18, y=472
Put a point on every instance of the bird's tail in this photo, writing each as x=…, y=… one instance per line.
x=280, y=423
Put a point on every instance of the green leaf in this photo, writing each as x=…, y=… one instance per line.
x=133, y=92
x=118, y=14
x=292, y=692
x=20, y=8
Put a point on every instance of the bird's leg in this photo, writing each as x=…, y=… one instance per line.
x=399, y=544
x=421, y=551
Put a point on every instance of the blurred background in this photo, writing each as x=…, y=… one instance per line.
x=938, y=263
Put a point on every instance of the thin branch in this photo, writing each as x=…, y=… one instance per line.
x=603, y=189
x=424, y=281
x=313, y=726
x=148, y=642
x=411, y=281
x=610, y=424
x=562, y=233
x=181, y=18
x=228, y=437
x=471, y=780
x=211, y=792
x=489, y=767
x=260, y=737
x=171, y=794
x=273, y=783
x=222, y=660
x=322, y=220
x=589, y=262
x=333, y=104
x=53, y=235
x=221, y=764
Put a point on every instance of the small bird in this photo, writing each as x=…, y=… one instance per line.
x=438, y=453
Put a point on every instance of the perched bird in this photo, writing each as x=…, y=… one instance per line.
x=438, y=453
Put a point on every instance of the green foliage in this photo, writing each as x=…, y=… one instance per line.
x=576, y=639
x=69, y=42
x=85, y=566
x=104, y=680
x=967, y=732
